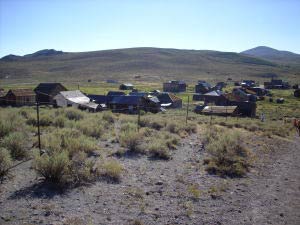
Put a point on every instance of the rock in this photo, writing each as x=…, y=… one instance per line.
x=159, y=183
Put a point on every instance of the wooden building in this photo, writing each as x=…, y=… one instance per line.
x=174, y=86
x=20, y=97
x=45, y=92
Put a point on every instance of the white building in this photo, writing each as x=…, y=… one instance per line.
x=75, y=99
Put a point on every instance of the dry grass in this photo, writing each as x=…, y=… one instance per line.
x=112, y=170
x=5, y=162
x=228, y=155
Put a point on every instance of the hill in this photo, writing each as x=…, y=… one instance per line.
x=272, y=54
x=151, y=64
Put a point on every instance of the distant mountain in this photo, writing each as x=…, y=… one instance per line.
x=272, y=54
x=151, y=64
x=45, y=52
x=10, y=58
x=41, y=53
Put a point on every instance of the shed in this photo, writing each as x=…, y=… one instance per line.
x=126, y=86
x=75, y=99
x=215, y=97
x=169, y=100
x=174, y=86
x=219, y=110
x=20, y=97
x=125, y=104
x=202, y=87
x=45, y=92
x=112, y=94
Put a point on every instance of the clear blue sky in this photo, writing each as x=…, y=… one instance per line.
x=27, y=26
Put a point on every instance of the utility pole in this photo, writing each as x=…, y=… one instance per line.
x=139, y=117
x=187, y=110
x=38, y=125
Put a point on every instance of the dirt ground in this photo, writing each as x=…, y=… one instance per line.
x=178, y=191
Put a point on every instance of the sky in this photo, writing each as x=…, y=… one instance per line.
x=27, y=26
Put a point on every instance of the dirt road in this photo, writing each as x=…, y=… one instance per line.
x=163, y=192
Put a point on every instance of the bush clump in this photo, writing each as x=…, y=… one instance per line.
x=71, y=140
x=10, y=122
x=5, y=162
x=90, y=128
x=54, y=167
x=16, y=143
x=158, y=149
x=74, y=114
x=59, y=121
x=228, y=156
x=45, y=120
x=130, y=139
x=108, y=117
x=112, y=170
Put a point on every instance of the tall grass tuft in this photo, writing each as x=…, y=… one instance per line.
x=16, y=143
x=228, y=156
x=5, y=162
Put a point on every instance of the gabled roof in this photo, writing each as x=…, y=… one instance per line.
x=126, y=100
x=127, y=84
x=22, y=92
x=141, y=94
x=204, y=83
x=166, y=97
x=100, y=99
x=115, y=93
x=47, y=88
x=214, y=93
x=75, y=96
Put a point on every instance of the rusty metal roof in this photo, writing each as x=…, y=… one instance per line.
x=22, y=92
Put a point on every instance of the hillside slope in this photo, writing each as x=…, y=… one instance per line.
x=272, y=54
x=151, y=64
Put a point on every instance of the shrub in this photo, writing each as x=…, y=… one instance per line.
x=112, y=170
x=229, y=157
x=59, y=121
x=5, y=128
x=171, y=140
x=82, y=169
x=131, y=140
x=194, y=191
x=10, y=122
x=90, y=128
x=53, y=167
x=156, y=124
x=5, y=162
x=45, y=120
x=159, y=149
x=172, y=128
x=74, y=114
x=181, y=129
x=128, y=126
x=15, y=142
x=80, y=144
x=69, y=139
x=23, y=112
x=108, y=116
x=31, y=121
